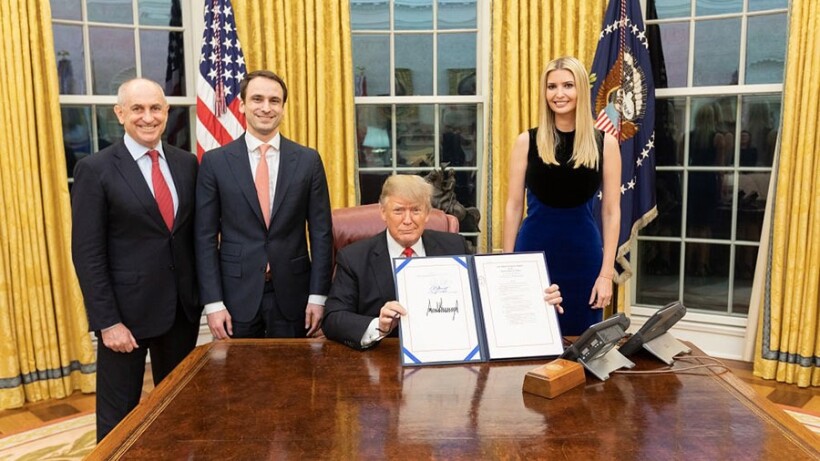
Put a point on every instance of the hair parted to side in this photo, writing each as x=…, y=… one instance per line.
x=409, y=187
x=243, y=85
x=585, y=148
x=126, y=84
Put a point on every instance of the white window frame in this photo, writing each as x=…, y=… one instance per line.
x=719, y=334
x=192, y=19
x=481, y=100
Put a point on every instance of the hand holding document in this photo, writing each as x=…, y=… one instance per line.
x=475, y=308
x=440, y=325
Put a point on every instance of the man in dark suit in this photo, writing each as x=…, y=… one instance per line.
x=133, y=251
x=361, y=307
x=254, y=197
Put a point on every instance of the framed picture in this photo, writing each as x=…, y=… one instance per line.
x=461, y=81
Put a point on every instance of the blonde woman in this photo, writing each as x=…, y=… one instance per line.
x=561, y=165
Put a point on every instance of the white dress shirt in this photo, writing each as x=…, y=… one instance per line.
x=140, y=155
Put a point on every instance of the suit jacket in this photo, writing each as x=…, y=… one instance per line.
x=131, y=268
x=233, y=246
x=364, y=283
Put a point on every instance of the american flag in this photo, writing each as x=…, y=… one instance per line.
x=623, y=94
x=221, y=68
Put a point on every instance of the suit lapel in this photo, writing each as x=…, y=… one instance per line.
x=133, y=177
x=431, y=245
x=237, y=160
x=180, y=183
x=288, y=162
x=381, y=266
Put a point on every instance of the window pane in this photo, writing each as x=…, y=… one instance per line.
x=760, y=119
x=373, y=125
x=66, y=9
x=658, y=278
x=669, y=130
x=745, y=261
x=415, y=139
x=413, y=14
x=711, y=140
x=663, y=9
x=717, y=65
x=752, y=194
x=671, y=54
x=759, y=5
x=766, y=51
x=458, y=148
x=457, y=15
x=706, y=283
x=457, y=64
x=76, y=134
x=708, y=7
x=371, y=58
x=112, y=58
x=109, y=129
x=178, y=127
x=668, y=193
x=163, y=59
x=160, y=12
x=458, y=134
x=414, y=65
x=68, y=46
x=370, y=186
x=369, y=15
x=114, y=11
x=708, y=210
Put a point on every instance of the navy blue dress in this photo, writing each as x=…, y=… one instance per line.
x=560, y=223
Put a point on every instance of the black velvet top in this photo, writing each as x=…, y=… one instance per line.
x=562, y=186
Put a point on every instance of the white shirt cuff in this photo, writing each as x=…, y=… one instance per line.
x=317, y=299
x=371, y=334
x=210, y=308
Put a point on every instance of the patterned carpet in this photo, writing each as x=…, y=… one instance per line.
x=69, y=439
x=809, y=419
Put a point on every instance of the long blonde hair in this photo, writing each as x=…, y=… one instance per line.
x=585, y=148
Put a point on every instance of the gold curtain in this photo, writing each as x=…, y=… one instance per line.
x=307, y=42
x=788, y=346
x=45, y=349
x=525, y=36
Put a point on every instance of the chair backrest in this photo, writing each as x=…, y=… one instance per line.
x=359, y=222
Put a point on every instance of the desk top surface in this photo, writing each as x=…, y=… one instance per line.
x=315, y=399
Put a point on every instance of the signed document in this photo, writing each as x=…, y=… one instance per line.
x=517, y=320
x=440, y=325
x=475, y=308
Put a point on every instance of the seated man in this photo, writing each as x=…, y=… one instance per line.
x=361, y=307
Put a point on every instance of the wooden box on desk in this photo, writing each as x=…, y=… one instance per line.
x=554, y=378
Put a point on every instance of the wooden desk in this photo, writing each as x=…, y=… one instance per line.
x=315, y=399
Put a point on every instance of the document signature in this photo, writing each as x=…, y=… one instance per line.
x=440, y=308
x=439, y=287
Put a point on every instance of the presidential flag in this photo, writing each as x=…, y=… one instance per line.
x=221, y=68
x=623, y=96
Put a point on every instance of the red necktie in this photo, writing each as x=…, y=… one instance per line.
x=408, y=252
x=262, y=181
x=161, y=192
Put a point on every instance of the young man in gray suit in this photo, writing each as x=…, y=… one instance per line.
x=133, y=251
x=254, y=197
x=362, y=307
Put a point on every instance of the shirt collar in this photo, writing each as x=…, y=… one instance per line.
x=253, y=142
x=137, y=150
x=395, y=248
